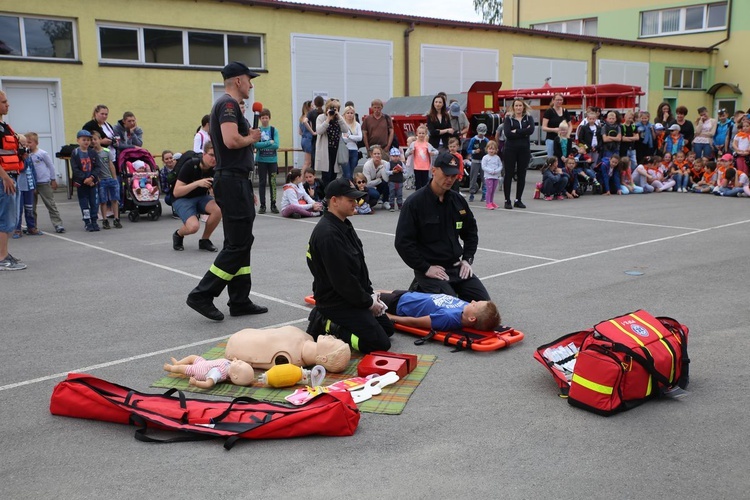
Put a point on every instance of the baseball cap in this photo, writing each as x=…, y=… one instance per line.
x=447, y=163
x=455, y=109
x=83, y=133
x=727, y=157
x=394, y=152
x=658, y=126
x=236, y=68
x=343, y=187
x=674, y=127
x=481, y=128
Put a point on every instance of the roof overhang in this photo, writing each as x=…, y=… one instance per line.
x=716, y=86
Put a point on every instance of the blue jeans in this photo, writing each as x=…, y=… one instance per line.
x=347, y=170
x=702, y=150
x=25, y=202
x=88, y=201
x=8, y=213
x=681, y=180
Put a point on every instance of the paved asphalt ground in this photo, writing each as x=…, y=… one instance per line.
x=481, y=425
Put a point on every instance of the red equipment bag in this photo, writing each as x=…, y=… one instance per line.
x=620, y=363
x=84, y=396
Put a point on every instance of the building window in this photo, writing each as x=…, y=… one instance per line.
x=37, y=37
x=683, y=78
x=692, y=19
x=175, y=47
x=576, y=26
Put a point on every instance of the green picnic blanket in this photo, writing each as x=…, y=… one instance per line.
x=391, y=401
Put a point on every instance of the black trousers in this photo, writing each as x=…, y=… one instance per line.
x=468, y=289
x=515, y=162
x=231, y=269
x=360, y=329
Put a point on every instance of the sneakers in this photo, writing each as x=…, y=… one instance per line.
x=11, y=264
x=295, y=215
x=205, y=244
x=105, y=224
x=95, y=227
x=175, y=216
x=519, y=204
x=17, y=234
x=559, y=197
x=117, y=224
x=393, y=209
x=262, y=209
x=250, y=308
x=508, y=205
x=490, y=206
x=274, y=209
x=177, y=242
x=547, y=198
x=471, y=197
x=59, y=229
x=386, y=205
x=204, y=307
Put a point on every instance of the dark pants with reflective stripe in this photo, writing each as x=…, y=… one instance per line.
x=231, y=269
x=360, y=329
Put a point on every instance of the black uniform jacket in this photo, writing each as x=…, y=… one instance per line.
x=336, y=260
x=428, y=230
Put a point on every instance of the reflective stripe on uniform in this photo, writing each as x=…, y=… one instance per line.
x=225, y=275
x=307, y=253
x=355, y=342
x=588, y=384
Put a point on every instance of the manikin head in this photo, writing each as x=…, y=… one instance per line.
x=241, y=373
x=332, y=353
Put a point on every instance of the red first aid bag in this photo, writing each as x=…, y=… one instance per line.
x=84, y=396
x=620, y=363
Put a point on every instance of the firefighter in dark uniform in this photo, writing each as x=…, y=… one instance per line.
x=346, y=305
x=233, y=141
x=430, y=225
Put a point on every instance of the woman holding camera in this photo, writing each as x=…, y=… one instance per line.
x=329, y=127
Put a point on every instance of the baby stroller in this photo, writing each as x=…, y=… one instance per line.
x=140, y=179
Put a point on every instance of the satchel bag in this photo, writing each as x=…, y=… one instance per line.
x=620, y=363
x=342, y=154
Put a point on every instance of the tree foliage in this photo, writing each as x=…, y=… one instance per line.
x=491, y=10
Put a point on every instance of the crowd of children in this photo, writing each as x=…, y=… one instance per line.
x=620, y=156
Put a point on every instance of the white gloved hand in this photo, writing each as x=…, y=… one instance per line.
x=464, y=269
x=436, y=272
x=378, y=307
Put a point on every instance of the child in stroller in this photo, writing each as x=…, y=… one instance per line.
x=140, y=183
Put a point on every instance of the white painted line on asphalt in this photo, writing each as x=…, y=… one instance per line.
x=133, y=358
x=607, y=220
x=172, y=269
x=609, y=250
x=491, y=250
